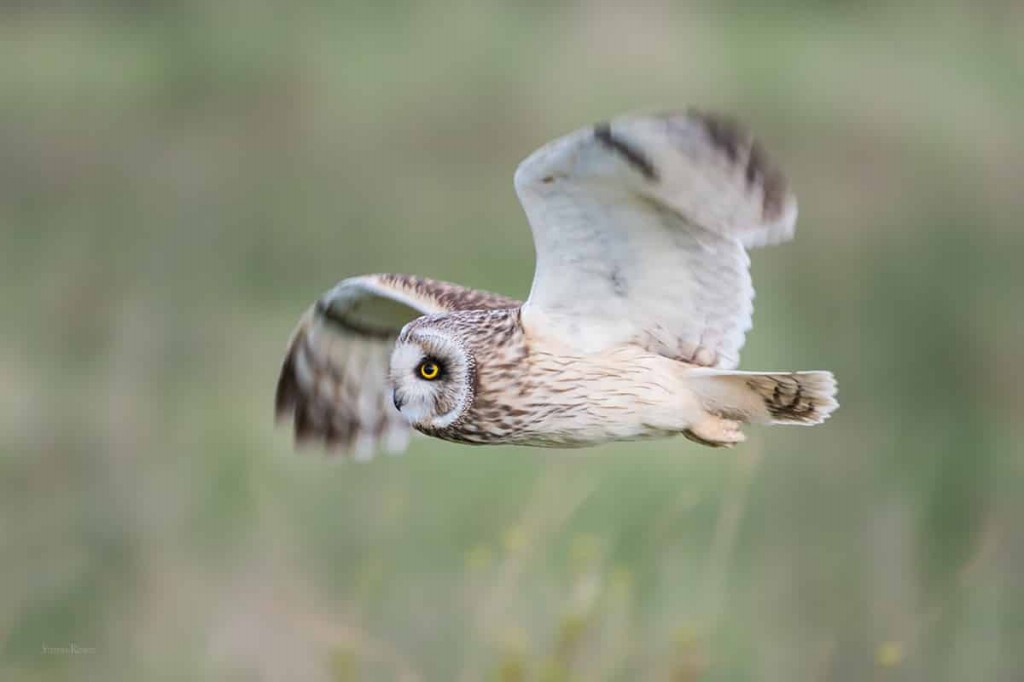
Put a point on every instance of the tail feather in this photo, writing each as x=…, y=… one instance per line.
x=767, y=397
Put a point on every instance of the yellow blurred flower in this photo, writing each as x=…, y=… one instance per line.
x=889, y=654
x=515, y=540
x=479, y=558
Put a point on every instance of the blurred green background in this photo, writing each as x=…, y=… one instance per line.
x=180, y=179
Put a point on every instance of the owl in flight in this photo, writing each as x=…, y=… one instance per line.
x=632, y=329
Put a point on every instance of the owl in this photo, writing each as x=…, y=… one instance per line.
x=639, y=306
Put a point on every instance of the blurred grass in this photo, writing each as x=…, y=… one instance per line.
x=180, y=179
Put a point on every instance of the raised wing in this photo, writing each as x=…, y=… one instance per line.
x=334, y=380
x=641, y=227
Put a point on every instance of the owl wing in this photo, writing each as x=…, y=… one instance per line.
x=641, y=227
x=334, y=379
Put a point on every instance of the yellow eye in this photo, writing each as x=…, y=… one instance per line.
x=429, y=370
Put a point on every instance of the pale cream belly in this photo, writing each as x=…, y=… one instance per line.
x=575, y=401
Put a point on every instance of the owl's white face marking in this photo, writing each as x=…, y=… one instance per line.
x=431, y=403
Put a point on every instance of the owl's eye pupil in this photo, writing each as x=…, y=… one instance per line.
x=429, y=370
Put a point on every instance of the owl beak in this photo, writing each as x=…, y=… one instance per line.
x=397, y=401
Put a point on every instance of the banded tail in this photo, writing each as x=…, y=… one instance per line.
x=805, y=398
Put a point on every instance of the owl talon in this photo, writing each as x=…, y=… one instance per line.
x=716, y=433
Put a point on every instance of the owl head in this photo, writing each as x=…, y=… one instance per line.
x=432, y=373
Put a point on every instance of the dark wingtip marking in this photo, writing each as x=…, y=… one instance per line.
x=757, y=163
x=724, y=132
x=774, y=186
x=776, y=191
x=286, y=395
x=306, y=430
x=732, y=138
x=635, y=158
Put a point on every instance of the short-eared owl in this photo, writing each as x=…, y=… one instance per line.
x=639, y=306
